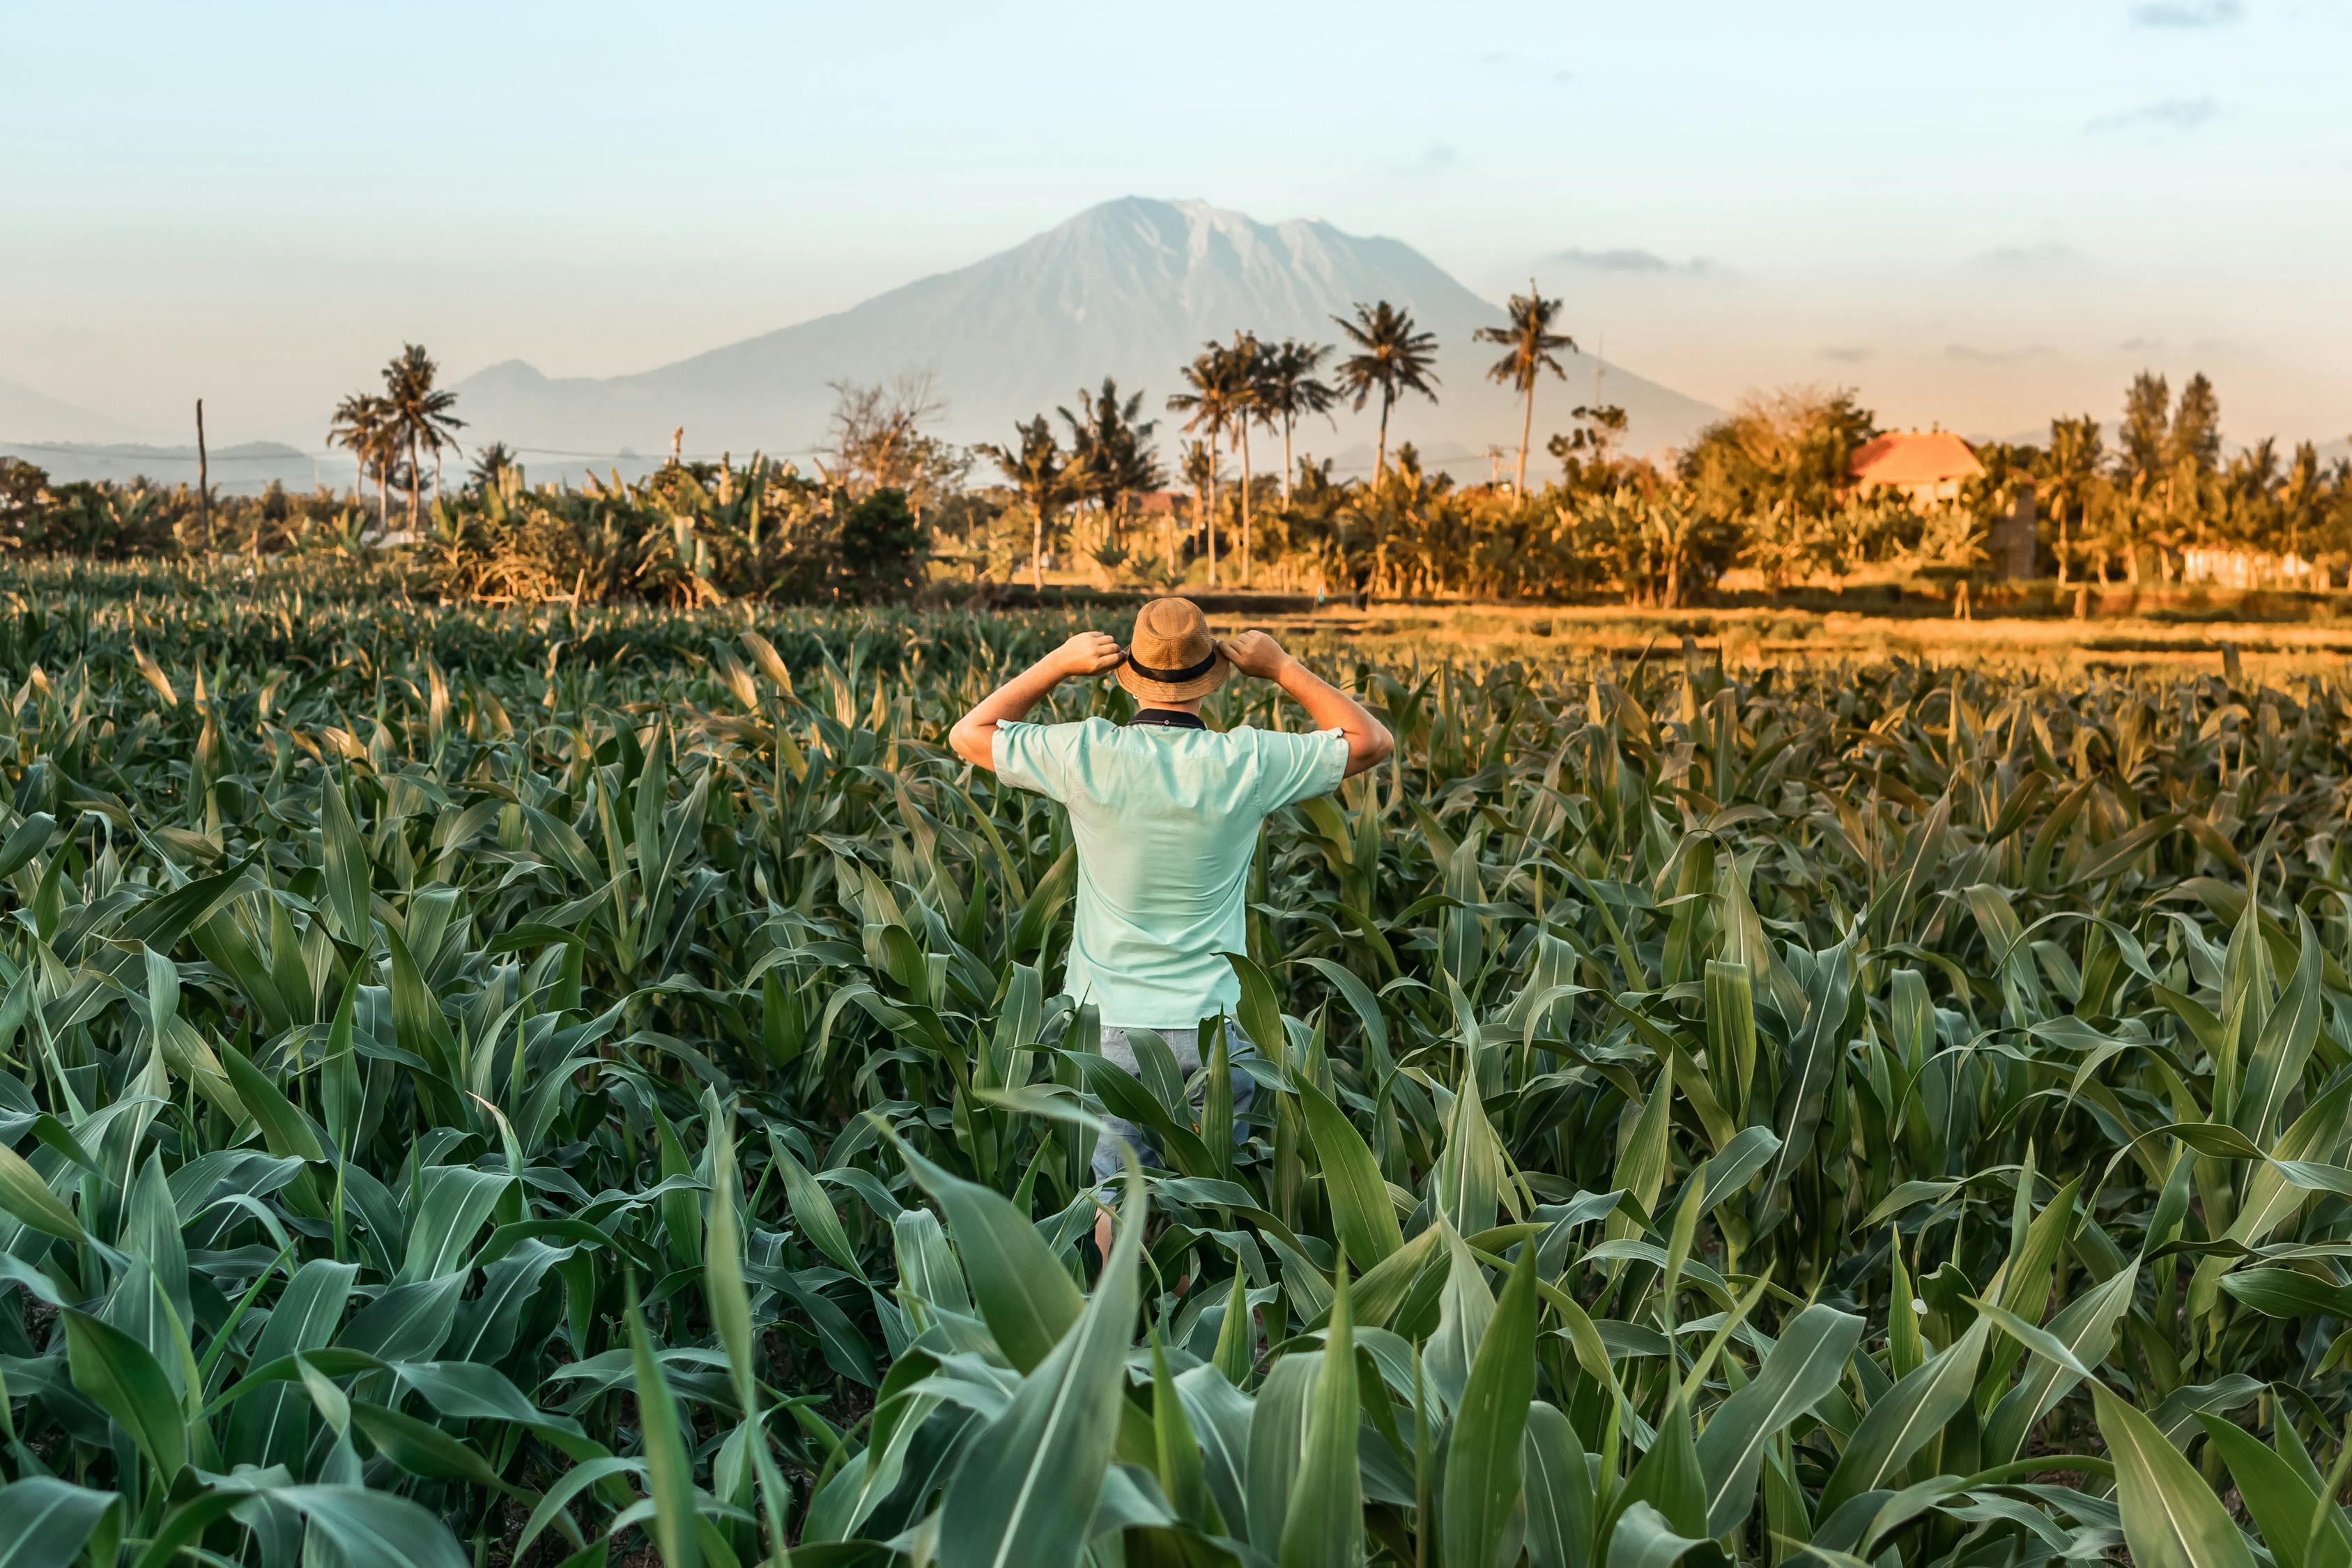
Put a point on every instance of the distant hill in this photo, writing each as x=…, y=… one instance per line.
x=29, y=416
x=246, y=468
x=1130, y=288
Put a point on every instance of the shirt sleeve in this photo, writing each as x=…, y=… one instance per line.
x=1035, y=757
x=1295, y=767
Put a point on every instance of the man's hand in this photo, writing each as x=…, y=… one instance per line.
x=1256, y=653
x=1088, y=653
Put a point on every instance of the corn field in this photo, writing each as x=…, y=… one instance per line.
x=494, y=1086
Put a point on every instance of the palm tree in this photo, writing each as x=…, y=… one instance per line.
x=1200, y=471
x=1529, y=342
x=1112, y=457
x=2070, y=468
x=420, y=413
x=1392, y=358
x=1043, y=475
x=362, y=425
x=491, y=464
x=1247, y=355
x=1288, y=387
x=1217, y=397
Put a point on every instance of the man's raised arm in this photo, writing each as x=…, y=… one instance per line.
x=974, y=735
x=1368, y=741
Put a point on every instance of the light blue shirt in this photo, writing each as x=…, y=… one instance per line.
x=1165, y=823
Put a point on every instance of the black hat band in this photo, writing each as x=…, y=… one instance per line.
x=1174, y=676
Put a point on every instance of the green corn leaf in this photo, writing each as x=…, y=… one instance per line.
x=44, y=1522
x=1559, y=1485
x=1352, y=1183
x=119, y=1373
x=1642, y=1538
x=25, y=840
x=1322, y=1525
x=2274, y=1069
x=2282, y=1503
x=373, y=1529
x=1481, y=1465
x=1183, y=1476
x=27, y=1198
x=1814, y=1058
x=348, y=873
x=423, y=1449
x=1020, y=1288
x=1906, y=1418
x=1027, y=1492
x=1803, y=1369
x=2171, y=1517
x=2085, y=1327
x=671, y=1478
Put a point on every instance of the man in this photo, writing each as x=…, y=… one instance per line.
x=1165, y=813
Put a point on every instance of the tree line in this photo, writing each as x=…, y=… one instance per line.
x=1087, y=493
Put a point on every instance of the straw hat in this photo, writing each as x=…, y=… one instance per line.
x=1173, y=657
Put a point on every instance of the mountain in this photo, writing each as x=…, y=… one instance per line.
x=1131, y=289
x=247, y=467
x=29, y=416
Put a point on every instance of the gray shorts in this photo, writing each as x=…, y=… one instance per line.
x=1185, y=1045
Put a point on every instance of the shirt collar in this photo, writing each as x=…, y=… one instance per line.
x=1165, y=718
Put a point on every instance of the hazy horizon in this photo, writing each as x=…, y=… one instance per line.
x=1976, y=221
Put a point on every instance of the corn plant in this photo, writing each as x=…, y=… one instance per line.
x=496, y=1085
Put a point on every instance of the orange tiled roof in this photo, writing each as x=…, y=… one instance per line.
x=1915, y=457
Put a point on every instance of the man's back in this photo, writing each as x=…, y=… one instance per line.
x=1166, y=821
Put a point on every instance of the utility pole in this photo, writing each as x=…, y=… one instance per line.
x=203, y=478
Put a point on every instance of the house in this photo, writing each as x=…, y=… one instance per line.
x=1926, y=466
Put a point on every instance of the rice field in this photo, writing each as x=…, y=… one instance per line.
x=498, y=1086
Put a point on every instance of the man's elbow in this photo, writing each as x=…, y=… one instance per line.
x=975, y=743
x=1370, y=749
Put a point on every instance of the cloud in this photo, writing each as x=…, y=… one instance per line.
x=1838, y=355
x=1436, y=158
x=2026, y=258
x=1627, y=259
x=2177, y=113
x=2187, y=13
x=1968, y=353
x=1503, y=60
x=2141, y=345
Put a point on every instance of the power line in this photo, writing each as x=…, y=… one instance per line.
x=151, y=455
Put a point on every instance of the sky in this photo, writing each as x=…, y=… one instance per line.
x=1978, y=216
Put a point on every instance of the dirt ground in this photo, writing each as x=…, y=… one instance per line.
x=2057, y=646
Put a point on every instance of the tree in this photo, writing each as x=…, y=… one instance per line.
x=1112, y=457
x=1392, y=359
x=878, y=441
x=492, y=464
x=1200, y=471
x=1215, y=399
x=881, y=548
x=2302, y=497
x=2146, y=429
x=1244, y=373
x=1528, y=342
x=363, y=426
x=1287, y=387
x=419, y=412
x=1040, y=470
x=2069, y=470
x=2196, y=438
x=1588, y=454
